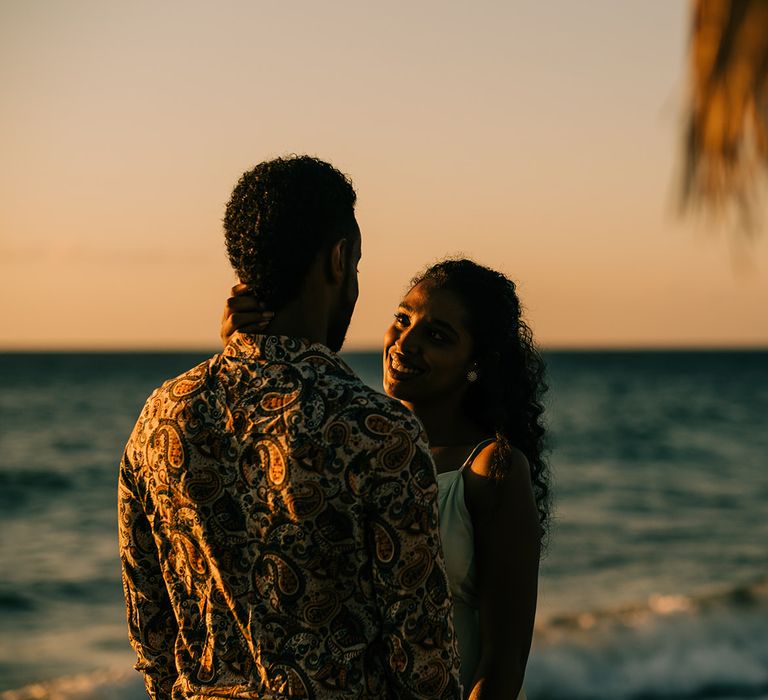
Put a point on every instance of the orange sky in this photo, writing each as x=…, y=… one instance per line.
x=539, y=138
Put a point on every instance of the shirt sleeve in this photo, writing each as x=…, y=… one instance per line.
x=409, y=574
x=152, y=627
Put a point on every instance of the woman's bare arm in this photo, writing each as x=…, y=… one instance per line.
x=507, y=549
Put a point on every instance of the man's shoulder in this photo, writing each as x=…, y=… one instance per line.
x=167, y=406
x=368, y=400
x=390, y=408
x=187, y=387
x=389, y=436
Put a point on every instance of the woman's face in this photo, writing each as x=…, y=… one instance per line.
x=428, y=348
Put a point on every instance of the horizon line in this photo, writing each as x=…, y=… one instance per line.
x=553, y=347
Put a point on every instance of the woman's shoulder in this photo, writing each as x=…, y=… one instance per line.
x=485, y=493
x=515, y=462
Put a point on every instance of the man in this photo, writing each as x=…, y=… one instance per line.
x=278, y=518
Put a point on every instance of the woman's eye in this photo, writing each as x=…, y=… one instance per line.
x=437, y=336
x=401, y=319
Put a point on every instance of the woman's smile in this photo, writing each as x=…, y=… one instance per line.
x=402, y=368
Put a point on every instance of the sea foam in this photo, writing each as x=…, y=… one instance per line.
x=710, y=646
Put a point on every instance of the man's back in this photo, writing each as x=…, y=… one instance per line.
x=279, y=534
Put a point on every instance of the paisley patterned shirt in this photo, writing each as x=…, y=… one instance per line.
x=279, y=535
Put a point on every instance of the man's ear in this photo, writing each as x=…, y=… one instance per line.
x=337, y=261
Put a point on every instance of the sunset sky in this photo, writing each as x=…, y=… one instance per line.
x=541, y=138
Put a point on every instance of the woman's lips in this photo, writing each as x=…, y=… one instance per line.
x=400, y=368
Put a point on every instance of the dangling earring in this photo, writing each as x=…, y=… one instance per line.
x=472, y=374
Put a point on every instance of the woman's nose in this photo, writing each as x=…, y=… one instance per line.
x=408, y=341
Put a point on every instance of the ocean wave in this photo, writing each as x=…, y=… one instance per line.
x=15, y=601
x=753, y=594
x=109, y=684
x=671, y=647
x=19, y=483
x=31, y=596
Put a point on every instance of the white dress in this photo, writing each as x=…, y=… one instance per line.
x=457, y=535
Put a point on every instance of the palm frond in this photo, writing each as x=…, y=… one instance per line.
x=726, y=139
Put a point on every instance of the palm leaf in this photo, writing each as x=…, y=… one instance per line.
x=726, y=141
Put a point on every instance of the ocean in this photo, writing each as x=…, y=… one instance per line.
x=654, y=584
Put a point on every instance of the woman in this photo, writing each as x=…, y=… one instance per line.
x=459, y=355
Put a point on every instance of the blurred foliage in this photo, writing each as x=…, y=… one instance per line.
x=726, y=139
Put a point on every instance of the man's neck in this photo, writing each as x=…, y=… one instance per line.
x=303, y=317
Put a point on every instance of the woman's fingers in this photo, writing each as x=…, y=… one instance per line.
x=240, y=321
x=251, y=318
x=254, y=321
x=254, y=327
x=239, y=288
x=243, y=312
x=244, y=303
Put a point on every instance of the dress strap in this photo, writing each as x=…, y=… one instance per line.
x=476, y=451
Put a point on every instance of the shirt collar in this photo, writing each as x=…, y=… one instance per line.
x=254, y=346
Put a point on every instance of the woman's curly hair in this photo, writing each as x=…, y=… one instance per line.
x=507, y=397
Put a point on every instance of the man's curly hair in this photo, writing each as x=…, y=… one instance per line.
x=280, y=216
